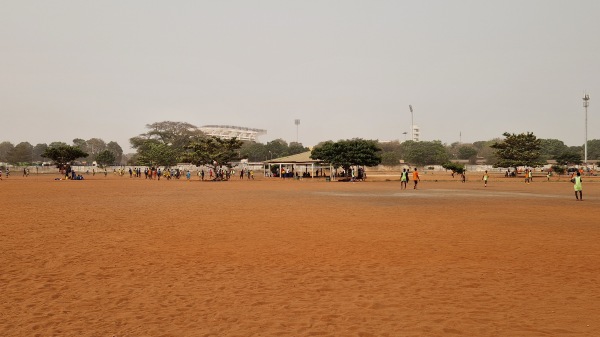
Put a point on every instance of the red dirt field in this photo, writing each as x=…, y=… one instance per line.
x=120, y=257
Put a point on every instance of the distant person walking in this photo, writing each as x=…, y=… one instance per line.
x=416, y=178
x=577, y=186
x=485, y=178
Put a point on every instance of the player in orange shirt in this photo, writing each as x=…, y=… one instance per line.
x=416, y=178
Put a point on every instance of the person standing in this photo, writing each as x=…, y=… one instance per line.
x=416, y=178
x=403, y=178
x=577, y=186
x=485, y=178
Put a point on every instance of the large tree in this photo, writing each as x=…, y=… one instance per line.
x=347, y=153
x=551, y=148
x=105, y=158
x=518, y=150
x=5, y=148
x=213, y=152
x=62, y=154
x=467, y=152
x=593, y=149
x=425, y=153
x=157, y=154
x=391, y=153
x=93, y=147
x=21, y=153
x=569, y=156
x=38, y=149
x=168, y=138
x=116, y=150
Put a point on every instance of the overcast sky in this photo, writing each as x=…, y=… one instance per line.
x=105, y=69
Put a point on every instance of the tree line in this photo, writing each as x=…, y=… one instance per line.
x=25, y=153
x=168, y=143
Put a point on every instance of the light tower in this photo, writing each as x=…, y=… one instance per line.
x=586, y=103
x=412, y=124
x=297, y=122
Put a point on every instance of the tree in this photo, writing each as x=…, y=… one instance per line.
x=172, y=135
x=213, y=152
x=467, y=152
x=21, y=153
x=116, y=150
x=485, y=150
x=105, y=158
x=551, y=148
x=518, y=150
x=569, y=156
x=254, y=152
x=347, y=153
x=94, y=146
x=296, y=148
x=593, y=149
x=5, y=148
x=454, y=167
x=425, y=153
x=38, y=149
x=391, y=153
x=156, y=154
x=63, y=154
x=390, y=159
x=277, y=148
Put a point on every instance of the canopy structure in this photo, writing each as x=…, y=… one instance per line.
x=289, y=165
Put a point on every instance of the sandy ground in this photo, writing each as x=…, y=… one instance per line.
x=128, y=257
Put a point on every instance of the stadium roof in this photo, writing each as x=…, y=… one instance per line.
x=230, y=131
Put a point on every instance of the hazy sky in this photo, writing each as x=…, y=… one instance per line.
x=105, y=69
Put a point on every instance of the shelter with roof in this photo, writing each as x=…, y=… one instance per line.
x=297, y=163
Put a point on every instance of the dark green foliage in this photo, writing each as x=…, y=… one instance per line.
x=518, y=150
x=425, y=153
x=593, y=149
x=165, y=142
x=570, y=156
x=551, y=148
x=21, y=153
x=157, y=154
x=559, y=169
x=37, y=152
x=256, y=152
x=391, y=153
x=62, y=154
x=5, y=148
x=213, y=151
x=105, y=158
x=454, y=167
x=347, y=153
x=467, y=152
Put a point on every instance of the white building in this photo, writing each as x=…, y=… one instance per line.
x=416, y=133
x=229, y=131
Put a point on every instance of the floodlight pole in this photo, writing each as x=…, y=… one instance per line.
x=297, y=122
x=412, y=124
x=586, y=103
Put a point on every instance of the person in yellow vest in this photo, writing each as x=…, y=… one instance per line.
x=577, y=186
x=485, y=179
